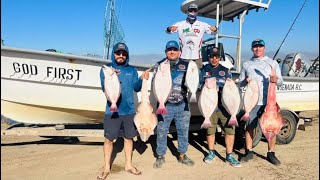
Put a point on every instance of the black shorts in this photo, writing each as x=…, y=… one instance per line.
x=119, y=125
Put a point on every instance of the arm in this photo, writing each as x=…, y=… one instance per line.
x=278, y=73
x=137, y=81
x=201, y=78
x=172, y=29
x=243, y=77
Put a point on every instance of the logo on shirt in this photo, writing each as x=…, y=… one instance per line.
x=208, y=73
x=182, y=67
x=222, y=73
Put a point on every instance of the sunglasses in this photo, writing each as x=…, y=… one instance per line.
x=118, y=53
x=259, y=45
x=192, y=10
x=172, y=49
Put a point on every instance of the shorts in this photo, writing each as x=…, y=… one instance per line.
x=254, y=115
x=114, y=124
x=197, y=61
x=224, y=119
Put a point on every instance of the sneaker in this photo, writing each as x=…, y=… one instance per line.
x=159, y=162
x=185, y=160
x=247, y=157
x=271, y=157
x=209, y=158
x=232, y=161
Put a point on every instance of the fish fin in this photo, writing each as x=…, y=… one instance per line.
x=113, y=108
x=245, y=117
x=162, y=110
x=193, y=98
x=269, y=135
x=206, y=124
x=233, y=121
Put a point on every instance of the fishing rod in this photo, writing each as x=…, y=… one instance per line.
x=289, y=30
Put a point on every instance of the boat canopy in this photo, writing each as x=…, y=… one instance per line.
x=230, y=8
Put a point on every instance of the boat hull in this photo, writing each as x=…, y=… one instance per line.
x=40, y=87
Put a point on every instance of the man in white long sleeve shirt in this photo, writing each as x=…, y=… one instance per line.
x=190, y=33
x=259, y=69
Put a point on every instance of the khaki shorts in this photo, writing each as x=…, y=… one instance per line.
x=216, y=116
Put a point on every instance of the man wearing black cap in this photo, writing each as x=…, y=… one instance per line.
x=190, y=33
x=221, y=73
x=259, y=69
x=113, y=121
x=177, y=107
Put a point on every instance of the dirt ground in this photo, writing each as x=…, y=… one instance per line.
x=27, y=157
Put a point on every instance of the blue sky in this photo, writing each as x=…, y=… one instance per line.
x=76, y=26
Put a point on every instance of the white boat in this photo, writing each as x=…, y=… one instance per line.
x=41, y=87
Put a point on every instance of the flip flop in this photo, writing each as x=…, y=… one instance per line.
x=103, y=176
x=134, y=171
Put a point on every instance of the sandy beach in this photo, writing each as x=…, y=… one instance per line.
x=29, y=157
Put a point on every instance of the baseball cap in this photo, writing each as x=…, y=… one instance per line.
x=192, y=6
x=257, y=42
x=172, y=44
x=215, y=52
x=120, y=47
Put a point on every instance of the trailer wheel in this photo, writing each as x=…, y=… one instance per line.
x=257, y=135
x=288, y=131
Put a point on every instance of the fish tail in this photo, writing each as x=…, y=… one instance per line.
x=269, y=136
x=162, y=109
x=245, y=117
x=113, y=107
x=193, y=97
x=206, y=124
x=233, y=121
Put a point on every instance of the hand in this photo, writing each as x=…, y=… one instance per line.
x=145, y=75
x=117, y=71
x=213, y=28
x=173, y=28
x=273, y=79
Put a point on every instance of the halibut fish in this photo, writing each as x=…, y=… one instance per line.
x=145, y=120
x=250, y=99
x=208, y=101
x=271, y=121
x=112, y=88
x=192, y=80
x=162, y=85
x=231, y=100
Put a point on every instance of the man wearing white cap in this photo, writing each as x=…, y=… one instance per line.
x=190, y=33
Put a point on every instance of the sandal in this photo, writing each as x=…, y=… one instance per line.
x=103, y=176
x=134, y=171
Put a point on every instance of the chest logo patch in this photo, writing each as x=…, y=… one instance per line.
x=222, y=73
x=182, y=67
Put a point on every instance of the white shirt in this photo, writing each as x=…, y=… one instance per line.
x=260, y=70
x=190, y=38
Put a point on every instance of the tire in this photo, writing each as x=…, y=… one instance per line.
x=257, y=135
x=288, y=131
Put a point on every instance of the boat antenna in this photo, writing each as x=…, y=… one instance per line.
x=113, y=32
x=289, y=30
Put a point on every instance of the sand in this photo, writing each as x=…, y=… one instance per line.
x=29, y=157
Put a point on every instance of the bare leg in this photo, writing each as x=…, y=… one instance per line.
x=210, y=140
x=229, y=140
x=249, y=137
x=128, y=147
x=107, y=150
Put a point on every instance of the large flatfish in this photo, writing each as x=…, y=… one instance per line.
x=250, y=98
x=208, y=101
x=192, y=80
x=145, y=120
x=271, y=121
x=112, y=88
x=231, y=100
x=162, y=85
